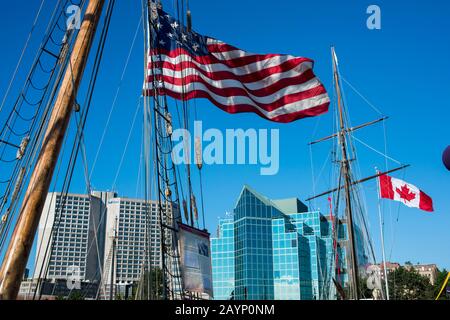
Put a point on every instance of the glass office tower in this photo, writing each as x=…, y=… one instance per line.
x=222, y=253
x=253, y=247
x=275, y=249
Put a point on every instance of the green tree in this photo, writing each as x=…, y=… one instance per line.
x=441, y=276
x=76, y=295
x=119, y=297
x=408, y=284
x=151, y=280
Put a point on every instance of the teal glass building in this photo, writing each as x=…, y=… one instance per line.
x=222, y=256
x=276, y=250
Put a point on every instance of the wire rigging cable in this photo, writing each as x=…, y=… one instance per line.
x=19, y=62
x=113, y=105
x=37, y=126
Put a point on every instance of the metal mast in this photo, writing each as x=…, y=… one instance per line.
x=345, y=171
x=16, y=257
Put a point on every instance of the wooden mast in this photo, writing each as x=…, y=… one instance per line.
x=348, y=182
x=19, y=248
x=345, y=170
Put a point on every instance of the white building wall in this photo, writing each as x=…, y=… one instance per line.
x=78, y=239
x=85, y=237
x=130, y=216
x=44, y=232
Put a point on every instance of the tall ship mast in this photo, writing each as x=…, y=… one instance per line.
x=348, y=185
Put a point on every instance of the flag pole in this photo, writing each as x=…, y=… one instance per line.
x=382, y=236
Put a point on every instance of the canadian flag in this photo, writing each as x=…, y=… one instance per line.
x=410, y=195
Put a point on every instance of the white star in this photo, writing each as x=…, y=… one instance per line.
x=174, y=25
x=167, y=16
x=170, y=35
x=184, y=37
x=162, y=42
x=195, y=46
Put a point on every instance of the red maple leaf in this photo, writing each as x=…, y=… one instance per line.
x=405, y=193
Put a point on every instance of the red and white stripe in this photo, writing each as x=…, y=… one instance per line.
x=281, y=88
x=408, y=194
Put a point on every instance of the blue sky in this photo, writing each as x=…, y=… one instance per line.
x=403, y=69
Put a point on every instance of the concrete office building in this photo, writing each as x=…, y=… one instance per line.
x=135, y=226
x=76, y=249
x=82, y=241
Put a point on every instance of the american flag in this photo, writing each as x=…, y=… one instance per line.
x=185, y=65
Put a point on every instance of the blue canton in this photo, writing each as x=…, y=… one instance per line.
x=170, y=35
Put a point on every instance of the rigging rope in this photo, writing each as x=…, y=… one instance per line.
x=25, y=47
x=362, y=97
x=138, y=108
x=113, y=105
x=31, y=155
x=377, y=151
x=11, y=121
x=166, y=174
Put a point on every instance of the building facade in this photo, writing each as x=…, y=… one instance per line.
x=71, y=236
x=134, y=224
x=429, y=271
x=275, y=249
x=27, y=289
x=76, y=234
x=222, y=255
x=51, y=289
